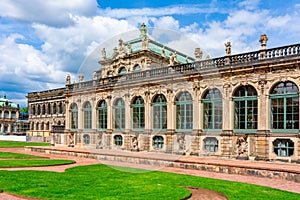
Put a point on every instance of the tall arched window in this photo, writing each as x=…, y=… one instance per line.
x=138, y=113
x=54, y=109
x=159, y=113
x=0, y=115
x=74, y=116
x=48, y=109
x=285, y=106
x=87, y=116
x=42, y=126
x=43, y=109
x=33, y=110
x=37, y=126
x=245, y=109
x=38, y=112
x=13, y=114
x=184, y=112
x=119, y=114
x=6, y=114
x=60, y=108
x=212, y=110
x=122, y=71
x=102, y=115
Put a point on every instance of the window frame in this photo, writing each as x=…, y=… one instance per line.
x=102, y=115
x=138, y=109
x=159, y=107
x=119, y=113
x=184, y=103
x=87, y=116
x=73, y=117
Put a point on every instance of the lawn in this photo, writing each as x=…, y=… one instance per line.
x=105, y=182
x=10, y=155
x=14, y=144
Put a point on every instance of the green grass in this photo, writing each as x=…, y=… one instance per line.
x=10, y=155
x=14, y=144
x=32, y=163
x=104, y=182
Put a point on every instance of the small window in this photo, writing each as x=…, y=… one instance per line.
x=136, y=68
x=211, y=144
x=122, y=71
x=283, y=147
x=86, y=139
x=158, y=142
x=118, y=140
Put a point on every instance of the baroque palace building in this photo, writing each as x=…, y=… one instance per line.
x=149, y=97
x=9, y=115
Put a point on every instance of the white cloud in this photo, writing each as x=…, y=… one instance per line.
x=53, y=12
x=162, y=11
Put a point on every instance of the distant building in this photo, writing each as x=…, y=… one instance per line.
x=148, y=97
x=9, y=114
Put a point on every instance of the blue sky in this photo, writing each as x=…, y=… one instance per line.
x=42, y=41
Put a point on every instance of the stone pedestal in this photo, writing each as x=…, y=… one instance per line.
x=262, y=147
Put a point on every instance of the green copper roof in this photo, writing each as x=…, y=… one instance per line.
x=7, y=103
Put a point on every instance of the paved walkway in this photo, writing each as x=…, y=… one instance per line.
x=274, y=183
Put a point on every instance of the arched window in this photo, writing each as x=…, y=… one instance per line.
x=102, y=115
x=87, y=116
x=5, y=128
x=6, y=114
x=13, y=114
x=33, y=110
x=0, y=115
x=118, y=139
x=184, y=112
x=245, y=109
x=38, y=112
x=47, y=126
x=37, y=126
x=86, y=139
x=138, y=113
x=158, y=142
x=122, y=71
x=43, y=109
x=42, y=126
x=212, y=110
x=285, y=107
x=119, y=114
x=74, y=116
x=137, y=68
x=159, y=113
x=60, y=108
x=54, y=108
x=48, y=109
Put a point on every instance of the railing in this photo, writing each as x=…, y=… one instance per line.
x=195, y=67
x=58, y=128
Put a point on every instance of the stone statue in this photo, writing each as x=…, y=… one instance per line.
x=134, y=143
x=128, y=48
x=103, y=54
x=68, y=79
x=143, y=30
x=94, y=75
x=99, y=144
x=163, y=52
x=81, y=77
x=263, y=40
x=186, y=59
x=198, y=54
x=181, y=142
x=228, y=48
x=171, y=59
x=71, y=140
x=121, y=45
x=242, y=146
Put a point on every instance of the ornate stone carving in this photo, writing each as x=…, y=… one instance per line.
x=198, y=54
x=71, y=140
x=68, y=79
x=103, y=54
x=263, y=40
x=143, y=30
x=242, y=146
x=181, y=142
x=228, y=48
x=163, y=54
x=81, y=77
x=99, y=141
x=134, y=143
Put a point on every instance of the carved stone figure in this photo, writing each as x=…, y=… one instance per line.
x=103, y=54
x=71, y=140
x=181, y=142
x=242, y=146
x=121, y=45
x=68, y=79
x=128, y=48
x=228, y=48
x=99, y=143
x=94, y=75
x=198, y=54
x=134, y=143
x=163, y=54
x=81, y=77
x=263, y=40
x=143, y=30
x=172, y=59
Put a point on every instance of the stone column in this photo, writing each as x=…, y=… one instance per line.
x=171, y=118
x=80, y=116
x=127, y=113
x=67, y=116
x=148, y=117
x=94, y=115
x=109, y=114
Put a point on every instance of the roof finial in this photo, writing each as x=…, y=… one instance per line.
x=143, y=30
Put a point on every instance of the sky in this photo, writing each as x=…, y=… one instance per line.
x=43, y=41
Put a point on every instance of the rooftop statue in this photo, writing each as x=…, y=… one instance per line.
x=143, y=31
x=228, y=48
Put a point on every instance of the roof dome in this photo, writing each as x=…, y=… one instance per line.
x=4, y=102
